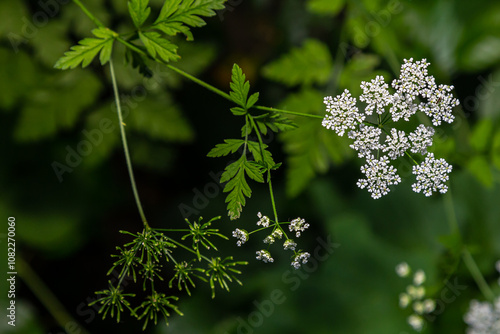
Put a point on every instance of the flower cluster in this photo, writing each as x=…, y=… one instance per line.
x=414, y=91
x=414, y=296
x=297, y=225
x=484, y=317
x=241, y=235
x=431, y=175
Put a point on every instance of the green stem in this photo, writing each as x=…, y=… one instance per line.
x=45, y=296
x=201, y=82
x=466, y=255
x=187, y=248
x=88, y=13
x=272, y=195
x=288, y=112
x=125, y=145
x=477, y=275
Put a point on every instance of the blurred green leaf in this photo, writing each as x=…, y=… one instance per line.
x=481, y=134
x=310, y=148
x=159, y=118
x=311, y=63
x=56, y=104
x=325, y=7
x=480, y=168
x=18, y=78
x=495, y=149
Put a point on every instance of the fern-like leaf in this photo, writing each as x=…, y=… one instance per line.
x=87, y=50
x=159, y=47
x=177, y=16
x=139, y=11
x=237, y=186
x=312, y=63
x=239, y=90
x=229, y=146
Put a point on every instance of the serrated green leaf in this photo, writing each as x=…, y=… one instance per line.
x=253, y=171
x=252, y=100
x=158, y=47
x=139, y=11
x=239, y=87
x=311, y=63
x=237, y=187
x=237, y=111
x=255, y=149
x=229, y=146
x=277, y=122
x=87, y=50
x=176, y=16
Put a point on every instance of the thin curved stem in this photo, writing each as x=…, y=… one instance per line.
x=88, y=13
x=125, y=145
x=45, y=296
x=288, y=112
x=201, y=83
x=466, y=255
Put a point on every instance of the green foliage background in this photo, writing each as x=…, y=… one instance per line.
x=294, y=53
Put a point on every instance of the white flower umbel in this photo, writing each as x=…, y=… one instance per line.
x=483, y=317
x=431, y=175
x=414, y=297
x=396, y=144
x=298, y=225
x=264, y=256
x=263, y=220
x=414, y=91
x=241, y=235
x=366, y=140
x=421, y=138
x=440, y=104
x=289, y=244
x=269, y=240
x=343, y=113
x=379, y=176
x=300, y=258
x=375, y=95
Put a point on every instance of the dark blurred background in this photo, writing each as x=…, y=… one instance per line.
x=67, y=222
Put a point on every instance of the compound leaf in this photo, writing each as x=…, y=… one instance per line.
x=159, y=47
x=87, y=50
x=229, y=146
x=176, y=16
x=237, y=186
